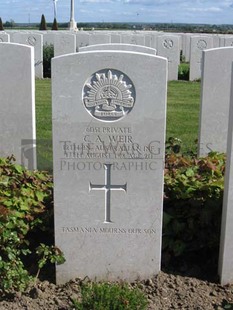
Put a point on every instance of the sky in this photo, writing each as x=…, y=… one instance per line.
x=175, y=11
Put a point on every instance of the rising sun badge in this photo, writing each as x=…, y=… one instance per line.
x=109, y=95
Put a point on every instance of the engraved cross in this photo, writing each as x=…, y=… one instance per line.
x=107, y=187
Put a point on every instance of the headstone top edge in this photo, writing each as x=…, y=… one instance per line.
x=212, y=50
x=117, y=52
x=17, y=44
x=121, y=44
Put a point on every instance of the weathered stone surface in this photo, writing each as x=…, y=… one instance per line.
x=119, y=47
x=197, y=45
x=215, y=100
x=226, y=244
x=108, y=132
x=17, y=99
x=36, y=41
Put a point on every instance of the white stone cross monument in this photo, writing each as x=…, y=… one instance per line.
x=109, y=112
x=55, y=8
x=73, y=24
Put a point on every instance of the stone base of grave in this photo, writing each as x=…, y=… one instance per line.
x=73, y=25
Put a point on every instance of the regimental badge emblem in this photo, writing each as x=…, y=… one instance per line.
x=109, y=95
x=202, y=44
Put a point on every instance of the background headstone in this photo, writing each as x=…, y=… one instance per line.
x=215, y=100
x=197, y=45
x=97, y=38
x=115, y=38
x=82, y=39
x=64, y=44
x=108, y=143
x=168, y=47
x=120, y=47
x=48, y=38
x=4, y=37
x=36, y=41
x=135, y=39
x=17, y=97
x=228, y=41
x=186, y=47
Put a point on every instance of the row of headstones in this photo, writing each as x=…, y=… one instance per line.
x=168, y=45
x=66, y=43
x=109, y=115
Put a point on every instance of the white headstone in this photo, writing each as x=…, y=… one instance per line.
x=82, y=39
x=135, y=39
x=216, y=41
x=64, y=44
x=17, y=98
x=151, y=40
x=222, y=41
x=186, y=45
x=226, y=244
x=4, y=37
x=197, y=45
x=115, y=38
x=215, y=100
x=120, y=47
x=228, y=41
x=36, y=41
x=48, y=38
x=97, y=38
x=168, y=46
x=109, y=111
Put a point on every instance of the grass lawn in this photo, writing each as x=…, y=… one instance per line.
x=44, y=124
x=183, y=112
x=182, y=117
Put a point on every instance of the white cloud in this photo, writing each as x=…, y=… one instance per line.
x=212, y=9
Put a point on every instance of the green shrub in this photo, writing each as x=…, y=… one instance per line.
x=102, y=296
x=183, y=71
x=43, y=25
x=55, y=25
x=25, y=211
x=48, y=54
x=192, y=206
x=1, y=25
x=182, y=57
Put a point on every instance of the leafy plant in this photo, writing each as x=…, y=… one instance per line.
x=192, y=206
x=183, y=71
x=173, y=145
x=48, y=254
x=227, y=305
x=25, y=211
x=48, y=54
x=102, y=296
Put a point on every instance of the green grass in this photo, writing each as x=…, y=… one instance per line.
x=182, y=117
x=183, y=112
x=44, y=124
